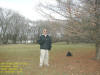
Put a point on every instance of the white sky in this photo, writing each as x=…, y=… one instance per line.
x=25, y=7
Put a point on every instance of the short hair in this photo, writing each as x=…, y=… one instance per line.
x=44, y=30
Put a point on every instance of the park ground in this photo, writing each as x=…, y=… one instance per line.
x=82, y=61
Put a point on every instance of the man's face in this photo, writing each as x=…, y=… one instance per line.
x=44, y=31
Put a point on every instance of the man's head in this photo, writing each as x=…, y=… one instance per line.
x=44, y=31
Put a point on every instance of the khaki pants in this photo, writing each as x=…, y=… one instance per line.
x=44, y=57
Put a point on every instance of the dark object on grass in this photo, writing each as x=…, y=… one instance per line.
x=69, y=53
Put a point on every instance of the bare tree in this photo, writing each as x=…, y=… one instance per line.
x=13, y=26
x=82, y=19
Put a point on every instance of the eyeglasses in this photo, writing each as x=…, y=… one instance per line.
x=45, y=31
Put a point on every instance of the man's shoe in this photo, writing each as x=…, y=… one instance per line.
x=40, y=65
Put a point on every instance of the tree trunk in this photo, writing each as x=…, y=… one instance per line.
x=98, y=51
x=97, y=29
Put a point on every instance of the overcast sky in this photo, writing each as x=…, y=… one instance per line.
x=25, y=7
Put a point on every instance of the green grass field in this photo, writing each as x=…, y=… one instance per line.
x=59, y=63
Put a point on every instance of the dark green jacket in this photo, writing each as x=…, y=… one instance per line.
x=45, y=42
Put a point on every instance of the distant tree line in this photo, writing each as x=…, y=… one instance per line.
x=14, y=28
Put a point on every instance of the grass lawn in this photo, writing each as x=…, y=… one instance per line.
x=26, y=56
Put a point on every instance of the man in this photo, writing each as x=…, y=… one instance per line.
x=45, y=46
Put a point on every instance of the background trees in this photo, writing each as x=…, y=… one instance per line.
x=13, y=26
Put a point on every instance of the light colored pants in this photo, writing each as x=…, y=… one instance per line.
x=44, y=57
